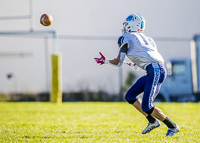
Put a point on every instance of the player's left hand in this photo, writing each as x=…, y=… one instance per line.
x=100, y=60
x=131, y=64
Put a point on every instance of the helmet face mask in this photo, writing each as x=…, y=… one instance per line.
x=124, y=27
x=133, y=23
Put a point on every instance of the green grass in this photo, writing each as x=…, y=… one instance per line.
x=93, y=122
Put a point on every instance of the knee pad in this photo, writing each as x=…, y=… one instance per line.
x=149, y=111
x=131, y=101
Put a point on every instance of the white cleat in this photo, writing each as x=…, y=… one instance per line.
x=151, y=126
x=172, y=131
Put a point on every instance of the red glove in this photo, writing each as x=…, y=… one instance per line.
x=100, y=60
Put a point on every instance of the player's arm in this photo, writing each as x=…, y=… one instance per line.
x=117, y=61
x=123, y=45
x=120, y=59
x=121, y=56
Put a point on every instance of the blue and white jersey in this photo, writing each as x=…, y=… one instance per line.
x=142, y=49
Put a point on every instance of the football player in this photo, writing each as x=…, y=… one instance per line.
x=142, y=51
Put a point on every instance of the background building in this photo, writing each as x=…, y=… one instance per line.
x=84, y=28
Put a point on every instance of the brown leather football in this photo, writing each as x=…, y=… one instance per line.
x=46, y=19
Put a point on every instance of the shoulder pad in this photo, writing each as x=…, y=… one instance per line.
x=120, y=41
x=124, y=39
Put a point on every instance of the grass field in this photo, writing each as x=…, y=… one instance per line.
x=93, y=122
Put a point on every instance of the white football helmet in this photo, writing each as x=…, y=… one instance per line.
x=133, y=23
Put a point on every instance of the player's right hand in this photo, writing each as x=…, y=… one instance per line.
x=100, y=60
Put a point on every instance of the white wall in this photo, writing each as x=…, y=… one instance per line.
x=91, y=18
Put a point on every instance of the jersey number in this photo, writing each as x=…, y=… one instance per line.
x=145, y=40
x=120, y=41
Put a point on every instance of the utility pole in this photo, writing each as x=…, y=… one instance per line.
x=120, y=84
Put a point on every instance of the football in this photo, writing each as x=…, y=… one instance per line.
x=46, y=19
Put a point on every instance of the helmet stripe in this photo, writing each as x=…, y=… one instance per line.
x=142, y=24
x=140, y=16
x=129, y=18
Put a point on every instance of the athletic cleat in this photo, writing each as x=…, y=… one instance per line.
x=173, y=131
x=151, y=126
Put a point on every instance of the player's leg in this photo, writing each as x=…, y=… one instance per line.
x=172, y=127
x=133, y=92
x=150, y=92
x=157, y=113
x=137, y=104
x=153, y=77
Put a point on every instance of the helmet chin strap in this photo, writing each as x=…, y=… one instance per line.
x=126, y=31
